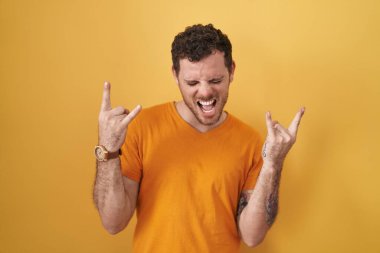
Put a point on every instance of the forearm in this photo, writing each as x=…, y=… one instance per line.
x=110, y=197
x=261, y=210
x=258, y=215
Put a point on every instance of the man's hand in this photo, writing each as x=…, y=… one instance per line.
x=113, y=123
x=279, y=139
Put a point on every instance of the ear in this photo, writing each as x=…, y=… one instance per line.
x=175, y=76
x=233, y=66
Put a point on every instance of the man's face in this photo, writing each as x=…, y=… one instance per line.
x=204, y=87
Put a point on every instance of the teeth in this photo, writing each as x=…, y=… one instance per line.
x=210, y=102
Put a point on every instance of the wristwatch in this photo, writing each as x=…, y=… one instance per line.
x=103, y=155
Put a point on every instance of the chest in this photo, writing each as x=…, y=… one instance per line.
x=202, y=164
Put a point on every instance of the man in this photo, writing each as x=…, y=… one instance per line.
x=198, y=177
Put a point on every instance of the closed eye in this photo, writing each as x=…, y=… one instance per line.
x=191, y=83
x=215, y=81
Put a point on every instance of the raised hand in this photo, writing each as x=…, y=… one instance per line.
x=113, y=123
x=280, y=139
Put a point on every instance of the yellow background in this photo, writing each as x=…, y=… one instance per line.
x=55, y=55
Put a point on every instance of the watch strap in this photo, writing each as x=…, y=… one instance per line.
x=112, y=155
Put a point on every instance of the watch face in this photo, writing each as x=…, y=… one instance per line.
x=99, y=153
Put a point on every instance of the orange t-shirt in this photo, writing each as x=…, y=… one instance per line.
x=190, y=182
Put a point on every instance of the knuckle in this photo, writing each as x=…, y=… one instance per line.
x=119, y=108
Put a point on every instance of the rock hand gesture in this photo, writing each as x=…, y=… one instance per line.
x=280, y=139
x=113, y=123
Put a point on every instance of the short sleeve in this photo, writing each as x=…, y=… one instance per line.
x=257, y=163
x=131, y=155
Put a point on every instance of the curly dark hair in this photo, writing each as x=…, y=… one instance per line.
x=199, y=41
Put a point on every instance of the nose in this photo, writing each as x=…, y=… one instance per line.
x=205, y=90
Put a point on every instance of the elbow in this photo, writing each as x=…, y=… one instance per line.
x=113, y=229
x=114, y=226
x=114, y=223
x=254, y=242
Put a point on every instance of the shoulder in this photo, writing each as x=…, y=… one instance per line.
x=154, y=113
x=147, y=119
x=152, y=118
x=243, y=130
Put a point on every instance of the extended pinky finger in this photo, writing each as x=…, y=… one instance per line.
x=269, y=123
x=131, y=115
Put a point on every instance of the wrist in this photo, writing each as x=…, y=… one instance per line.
x=273, y=165
x=107, y=145
x=103, y=155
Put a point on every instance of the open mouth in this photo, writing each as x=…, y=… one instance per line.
x=207, y=106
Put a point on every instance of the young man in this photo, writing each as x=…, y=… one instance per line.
x=200, y=179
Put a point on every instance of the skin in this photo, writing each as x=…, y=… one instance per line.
x=208, y=79
x=114, y=195
x=204, y=80
x=258, y=207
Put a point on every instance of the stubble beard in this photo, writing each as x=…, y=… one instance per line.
x=194, y=109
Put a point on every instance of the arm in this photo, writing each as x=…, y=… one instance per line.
x=258, y=207
x=114, y=195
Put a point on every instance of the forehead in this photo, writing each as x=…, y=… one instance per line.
x=208, y=67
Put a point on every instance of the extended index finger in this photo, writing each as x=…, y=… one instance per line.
x=106, y=101
x=293, y=127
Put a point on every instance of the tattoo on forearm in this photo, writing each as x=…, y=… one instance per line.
x=264, y=150
x=272, y=201
x=243, y=202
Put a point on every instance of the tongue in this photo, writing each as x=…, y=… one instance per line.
x=207, y=107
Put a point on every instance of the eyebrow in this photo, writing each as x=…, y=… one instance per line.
x=217, y=78
x=212, y=79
